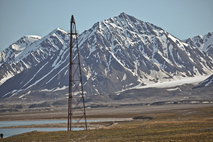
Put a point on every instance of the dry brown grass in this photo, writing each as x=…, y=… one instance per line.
x=187, y=125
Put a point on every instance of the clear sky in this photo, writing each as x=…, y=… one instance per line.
x=181, y=18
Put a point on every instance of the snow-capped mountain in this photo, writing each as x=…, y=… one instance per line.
x=144, y=50
x=204, y=42
x=9, y=55
x=34, y=64
x=28, y=52
x=116, y=54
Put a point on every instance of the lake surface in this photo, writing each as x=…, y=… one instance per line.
x=33, y=122
x=14, y=131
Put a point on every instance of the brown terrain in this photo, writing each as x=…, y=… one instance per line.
x=171, y=122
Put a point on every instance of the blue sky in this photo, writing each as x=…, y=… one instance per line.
x=181, y=18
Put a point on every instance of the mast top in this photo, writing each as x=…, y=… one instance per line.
x=72, y=19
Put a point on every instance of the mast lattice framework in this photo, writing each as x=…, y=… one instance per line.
x=76, y=105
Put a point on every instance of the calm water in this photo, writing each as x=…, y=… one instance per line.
x=10, y=132
x=18, y=123
x=13, y=131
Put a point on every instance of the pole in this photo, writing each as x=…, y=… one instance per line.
x=75, y=77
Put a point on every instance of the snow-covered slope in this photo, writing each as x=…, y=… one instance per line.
x=144, y=51
x=8, y=66
x=10, y=54
x=28, y=52
x=116, y=54
x=204, y=42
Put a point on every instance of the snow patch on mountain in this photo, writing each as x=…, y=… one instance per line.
x=202, y=42
x=173, y=83
x=15, y=49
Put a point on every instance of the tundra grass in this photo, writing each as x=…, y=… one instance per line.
x=188, y=126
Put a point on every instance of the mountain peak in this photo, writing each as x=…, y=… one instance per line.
x=26, y=40
x=126, y=16
x=59, y=31
x=10, y=53
x=122, y=14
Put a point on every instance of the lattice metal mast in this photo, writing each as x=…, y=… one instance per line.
x=76, y=96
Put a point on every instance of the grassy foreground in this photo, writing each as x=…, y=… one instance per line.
x=189, y=126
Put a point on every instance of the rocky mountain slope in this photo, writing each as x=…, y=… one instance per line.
x=10, y=63
x=116, y=54
x=203, y=43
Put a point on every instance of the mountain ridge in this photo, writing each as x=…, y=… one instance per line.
x=203, y=42
x=116, y=54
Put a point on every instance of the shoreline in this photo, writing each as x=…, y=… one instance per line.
x=90, y=124
x=93, y=125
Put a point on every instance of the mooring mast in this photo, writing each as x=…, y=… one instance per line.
x=76, y=106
